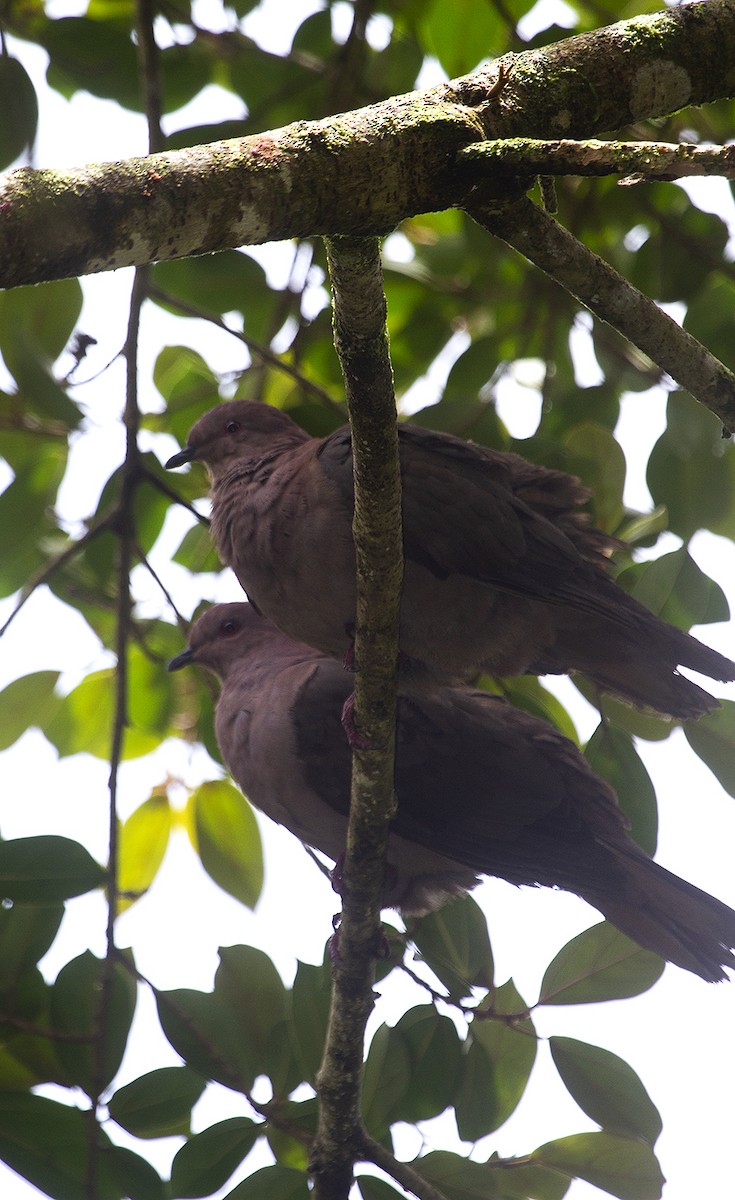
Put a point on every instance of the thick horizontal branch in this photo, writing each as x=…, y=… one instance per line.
x=649, y=160
x=361, y=172
x=606, y=293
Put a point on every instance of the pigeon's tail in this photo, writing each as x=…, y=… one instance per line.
x=637, y=660
x=668, y=915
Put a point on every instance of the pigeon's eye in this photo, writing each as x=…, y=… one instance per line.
x=232, y=427
x=227, y=628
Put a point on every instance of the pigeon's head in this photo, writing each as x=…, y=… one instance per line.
x=234, y=432
x=224, y=634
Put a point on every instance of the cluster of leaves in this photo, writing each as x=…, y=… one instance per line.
x=73, y=1032
x=250, y=1026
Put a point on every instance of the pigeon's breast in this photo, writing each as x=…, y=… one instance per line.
x=274, y=524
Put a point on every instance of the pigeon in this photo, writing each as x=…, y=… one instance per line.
x=504, y=573
x=482, y=788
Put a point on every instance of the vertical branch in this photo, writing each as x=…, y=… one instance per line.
x=149, y=67
x=124, y=526
x=362, y=345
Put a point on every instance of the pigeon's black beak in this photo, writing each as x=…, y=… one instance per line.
x=185, y=659
x=184, y=456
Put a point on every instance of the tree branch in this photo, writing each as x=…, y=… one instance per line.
x=649, y=160
x=601, y=289
x=403, y=1173
x=364, y=171
x=362, y=346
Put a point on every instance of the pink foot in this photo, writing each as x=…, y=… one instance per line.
x=354, y=737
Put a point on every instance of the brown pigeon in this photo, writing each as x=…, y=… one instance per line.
x=503, y=572
x=482, y=788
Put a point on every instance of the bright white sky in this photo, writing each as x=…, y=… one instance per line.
x=676, y=1036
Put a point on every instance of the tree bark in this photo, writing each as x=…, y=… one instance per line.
x=361, y=172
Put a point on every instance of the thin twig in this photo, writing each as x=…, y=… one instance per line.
x=262, y=352
x=403, y=1173
x=143, y=560
x=166, y=490
x=44, y=1031
x=49, y=570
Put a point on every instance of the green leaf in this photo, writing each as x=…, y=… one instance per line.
x=612, y=754
x=47, y=868
x=26, y=933
x=372, y=1188
x=461, y=34
x=386, y=1079
x=644, y=725
x=606, y=1088
x=712, y=738
x=47, y=1143
x=28, y=1059
x=189, y=388
x=185, y=71
x=497, y=1065
x=208, y=1159
x=227, y=839
x=272, y=1183
x=707, y=317
x=96, y=1003
x=691, y=469
x=599, y=964
x=458, y=1178
x=287, y=1150
x=134, y=1176
x=19, y=106
x=454, y=943
x=237, y=1032
x=228, y=281
x=94, y=56
x=435, y=1054
x=528, y=1181
x=26, y=702
x=196, y=551
x=623, y=1167
x=45, y=315
x=26, y=506
x=597, y=458
x=310, y=1003
x=528, y=693
x=84, y=721
x=677, y=590
x=142, y=843
x=701, y=237
x=157, y=1104
x=200, y=1031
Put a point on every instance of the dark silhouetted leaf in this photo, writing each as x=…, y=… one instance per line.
x=46, y=868
x=96, y=1004
x=158, y=1104
x=207, y=1160
x=454, y=942
x=611, y=753
x=19, y=106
